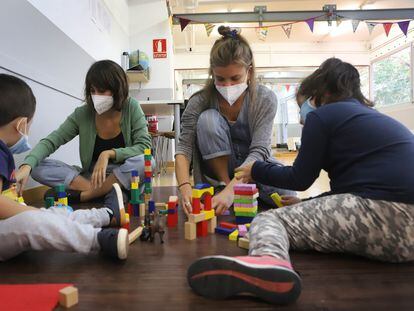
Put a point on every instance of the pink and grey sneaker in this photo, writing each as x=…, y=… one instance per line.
x=266, y=277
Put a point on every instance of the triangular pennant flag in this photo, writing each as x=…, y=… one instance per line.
x=287, y=29
x=310, y=22
x=287, y=87
x=183, y=23
x=355, y=24
x=262, y=32
x=209, y=28
x=338, y=20
x=371, y=27
x=404, y=26
x=387, y=28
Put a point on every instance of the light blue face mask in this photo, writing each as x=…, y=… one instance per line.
x=22, y=144
x=305, y=109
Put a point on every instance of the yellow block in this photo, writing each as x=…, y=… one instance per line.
x=127, y=218
x=63, y=201
x=134, y=185
x=20, y=200
x=209, y=214
x=277, y=199
x=247, y=226
x=233, y=236
x=246, y=209
x=198, y=193
x=147, y=152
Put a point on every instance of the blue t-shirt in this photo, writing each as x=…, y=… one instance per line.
x=365, y=153
x=6, y=166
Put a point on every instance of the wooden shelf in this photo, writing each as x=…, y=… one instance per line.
x=138, y=76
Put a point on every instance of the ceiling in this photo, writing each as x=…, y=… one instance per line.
x=195, y=35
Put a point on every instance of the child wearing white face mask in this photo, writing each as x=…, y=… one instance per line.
x=112, y=138
x=227, y=124
x=24, y=228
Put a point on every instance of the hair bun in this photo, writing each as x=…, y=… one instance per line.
x=227, y=32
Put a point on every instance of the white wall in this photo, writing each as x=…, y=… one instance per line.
x=383, y=45
x=148, y=21
x=74, y=18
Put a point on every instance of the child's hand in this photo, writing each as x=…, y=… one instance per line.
x=244, y=173
x=289, y=200
x=22, y=175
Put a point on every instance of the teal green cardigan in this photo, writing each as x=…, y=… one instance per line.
x=82, y=122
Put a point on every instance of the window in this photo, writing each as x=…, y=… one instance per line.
x=391, y=79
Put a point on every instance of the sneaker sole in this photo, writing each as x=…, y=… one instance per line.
x=120, y=198
x=123, y=244
x=221, y=277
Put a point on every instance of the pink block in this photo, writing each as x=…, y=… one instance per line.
x=242, y=230
x=244, y=187
x=245, y=205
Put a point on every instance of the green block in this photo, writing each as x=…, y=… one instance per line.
x=147, y=157
x=60, y=188
x=135, y=195
x=49, y=202
x=148, y=191
x=135, y=202
x=245, y=214
x=245, y=201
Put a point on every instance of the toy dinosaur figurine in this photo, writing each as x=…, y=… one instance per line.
x=158, y=225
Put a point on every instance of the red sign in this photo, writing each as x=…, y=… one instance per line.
x=159, y=48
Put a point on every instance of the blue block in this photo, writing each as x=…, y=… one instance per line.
x=151, y=207
x=171, y=211
x=147, y=179
x=61, y=195
x=135, y=208
x=201, y=186
x=224, y=231
x=241, y=220
x=134, y=173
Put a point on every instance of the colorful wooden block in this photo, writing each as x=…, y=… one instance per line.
x=246, y=214
x=212, y=224
x=142, y=210
x=202, y=229
x=134, y=235
x=242, y=230
x=244, y=187
x=246, y=197
x=134, y=185
x=190, y=231
x=243, y=220
x=147, y=163
x=202, y=186
x=68, y=296
x=63, y=201
x=245, y=201
x=224, y=231
x=244, y=243
x=147, y=152
x=196, y=218
x=209, y=214
x=228, y=225
x=251, y=205
x=277, y=199
x=239, y=192
x=148, y=174
x=233, y=236
x=245, y=209
x=199, y=193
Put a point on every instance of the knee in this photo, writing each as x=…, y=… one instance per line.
x=209, y=121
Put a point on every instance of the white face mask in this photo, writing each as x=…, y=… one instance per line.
x=102, y=103
x=233, y=92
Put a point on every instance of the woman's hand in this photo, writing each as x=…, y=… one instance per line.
x=99, y=171
x=244, y=173
x=186, y=192
x=222, y=201
x=22, y=175
x=289, y=200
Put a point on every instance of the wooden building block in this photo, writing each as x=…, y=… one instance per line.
x=147, y=152
x=228, y=225
x=246, y=197
x=190, y=231
x=244, y=243
x=202, y=229
x=245, y=209
x=68, y=296
x=242, y=230
x=63, y=201
x=207, y=202
x=224, y=231
x=246, y=193
x=134, y=185
x=212, y=224
x=277, y=199
x=196, y=218
x=134, y=235
x=244, y=187
x=245, y=214
x=196, y=204
x=197, y=193
x=209, y=214
x=233, y=236
x=173, y=198
x=142, y=210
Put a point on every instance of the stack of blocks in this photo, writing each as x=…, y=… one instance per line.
x=172, y=218
x=245, y=202
x=148, y=176
x=61, y=195
x=134, y=203
x=203, y=219
x=235, y=233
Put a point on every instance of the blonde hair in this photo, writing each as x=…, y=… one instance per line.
x=231, y=48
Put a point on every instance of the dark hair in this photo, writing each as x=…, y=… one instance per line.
x=231, y=48
x=333, y=81
x=16, y=99
x=107, y=75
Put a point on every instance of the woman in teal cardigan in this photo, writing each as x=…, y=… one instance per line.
x=112, y=137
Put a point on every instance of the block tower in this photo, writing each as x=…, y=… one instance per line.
x=203, y=219
x=148, y=176
x=245, y=202
x=133, y=206
x=61, y=194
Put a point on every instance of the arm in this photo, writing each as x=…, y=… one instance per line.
x=307, y=165
x=46, y=146
x=263, y=121
x=182, y=169
x=140, y=137
x=9, y=208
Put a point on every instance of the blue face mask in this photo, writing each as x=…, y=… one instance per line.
x=22, y=144
x=305, y=109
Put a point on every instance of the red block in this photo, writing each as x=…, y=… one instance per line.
x=202, y=229
x=130, y=210
x=207, y=202
x=245, y=192
x=148, y=174
x=147, y=162
x=196, y=206
x=126, y=226
x=172, y=220
x=228, y=225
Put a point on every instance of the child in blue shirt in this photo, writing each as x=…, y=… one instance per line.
x=28, y=228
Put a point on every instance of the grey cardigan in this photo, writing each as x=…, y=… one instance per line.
x=261, y=117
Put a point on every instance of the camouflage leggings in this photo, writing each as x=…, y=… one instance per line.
x=342, y=223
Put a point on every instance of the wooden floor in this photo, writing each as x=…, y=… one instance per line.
x=154, y=277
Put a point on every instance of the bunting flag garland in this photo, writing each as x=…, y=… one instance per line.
x=310, y=22
x=338, y=21
x=404, y=26
x=387, y=28
x=287, y=87
x=183, y=23
x=355, y=23
x=262, y=32
x=209, y=28
x=287, y=29
x=370, y=27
